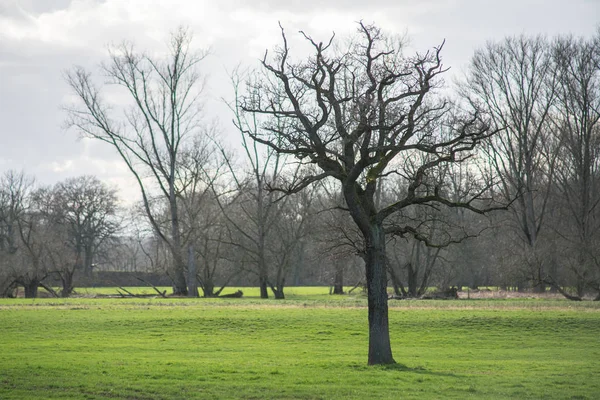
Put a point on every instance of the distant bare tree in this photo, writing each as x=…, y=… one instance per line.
x=15, y=189
x=287, y=243
x=338, y=239
x=258, y=221
x=38, y=241
x=163, y=119
x=514, y=81
x=87, y=209
x=204, y=231
x=577, y=123
x=355, y=113
x=253, y=214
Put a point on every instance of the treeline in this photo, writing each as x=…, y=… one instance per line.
x=500, y=182
x=54, y=231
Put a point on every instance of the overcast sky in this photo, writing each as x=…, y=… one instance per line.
x=40, y=39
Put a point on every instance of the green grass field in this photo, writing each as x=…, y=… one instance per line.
x=312, y=346
x=249, y=292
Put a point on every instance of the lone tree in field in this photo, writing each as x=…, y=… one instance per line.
x=361, y=114
x=163, y=118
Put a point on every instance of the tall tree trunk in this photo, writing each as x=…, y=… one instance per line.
x=178, y=273
x=88, y=260
x=179, y=283
x=380, y=350
x=338, y=280
x=192, y=286
x=412, y=273
x=264, y=292
x=540, y=286
x=208, y=285
x=263, y=276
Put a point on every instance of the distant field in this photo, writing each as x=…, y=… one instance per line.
x=306, y=292
x=312, y=346
x=249, y=292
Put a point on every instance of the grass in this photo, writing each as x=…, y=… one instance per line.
x=312, y=346
x=249, y=292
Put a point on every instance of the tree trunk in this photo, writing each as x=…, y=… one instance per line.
x=399, y=289
x=87, y=261
x=338, y=280
x=540, y=286
x=31, y=289
x=580, y=287
x=264, y=292
x=66, y=278
x=279, y=285
x=192, y=286
x=412, y=273
x=380, y=350
x=208, y=288
x=278, y=293
x=179, y=283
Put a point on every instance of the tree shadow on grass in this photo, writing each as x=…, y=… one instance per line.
x=403, y=368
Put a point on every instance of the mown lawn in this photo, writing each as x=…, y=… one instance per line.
x=303, y=292
x=309, y=348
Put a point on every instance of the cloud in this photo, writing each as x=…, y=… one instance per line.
x=39, y=39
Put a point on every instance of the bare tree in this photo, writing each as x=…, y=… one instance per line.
x=205, y=230
x=253, y=214
x=287, y=244
x=355, y=114
x=338, y=239
x=260, y=228
x=15, y=190
x=577, y=123
x=418, y=263
x=514, y=81
x=164, y=118
x=39, y=239
x=87, y=209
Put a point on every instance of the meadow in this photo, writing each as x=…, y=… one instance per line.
x=310, y=346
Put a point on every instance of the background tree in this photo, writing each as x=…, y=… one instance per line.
x=39, y=239
x=87, y=210
x=338, y=239
x=264, y=227
x=514, y=82
x=164, y=118
x=205, y=233
x=288, y=241
x=577, y=125
x=354, y=113
x=15, y=189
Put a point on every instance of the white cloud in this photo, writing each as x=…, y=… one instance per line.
x=41, y=38
x=62, y=166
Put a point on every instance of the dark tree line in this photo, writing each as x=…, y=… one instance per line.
x=52, y=232
x=544, y=95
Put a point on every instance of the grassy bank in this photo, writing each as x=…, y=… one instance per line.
x=307, y=348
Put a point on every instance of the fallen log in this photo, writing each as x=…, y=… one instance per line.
x=235, y=295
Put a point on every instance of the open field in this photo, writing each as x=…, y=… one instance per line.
x=311, y=346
